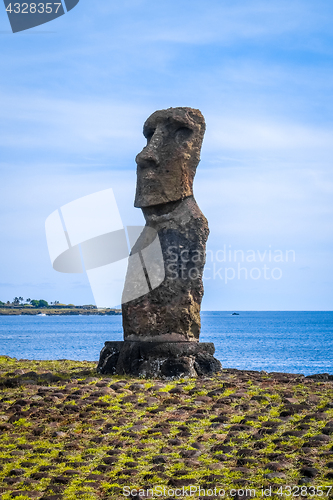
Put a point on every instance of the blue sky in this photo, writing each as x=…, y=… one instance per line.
x=75, y=92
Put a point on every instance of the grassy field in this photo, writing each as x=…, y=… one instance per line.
x=67, y=433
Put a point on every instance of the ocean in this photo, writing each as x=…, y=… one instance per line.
x=291, y=342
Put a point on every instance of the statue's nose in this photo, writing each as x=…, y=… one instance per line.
x=147, y=157
x=150, y=153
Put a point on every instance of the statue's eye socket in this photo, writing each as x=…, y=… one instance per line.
x=149, y=134
x=183, y=133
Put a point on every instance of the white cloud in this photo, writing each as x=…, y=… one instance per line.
x=259, y=205
x=196, y=22
x=255, y=133
x=59, y=124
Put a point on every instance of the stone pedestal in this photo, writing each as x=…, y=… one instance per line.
x=158, y=359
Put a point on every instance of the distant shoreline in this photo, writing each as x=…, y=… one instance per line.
x=58, y=311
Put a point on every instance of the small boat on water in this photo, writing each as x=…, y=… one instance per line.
x=41, y=314
x=235, y=314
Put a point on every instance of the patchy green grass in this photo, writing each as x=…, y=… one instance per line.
x=67, y=433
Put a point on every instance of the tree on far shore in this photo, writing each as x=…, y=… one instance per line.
x=39, y=303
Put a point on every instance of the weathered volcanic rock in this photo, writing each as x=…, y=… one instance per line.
x=159, y=359
x=165, y=172
x=167, y=165
x=170, y=312
x=163, y=287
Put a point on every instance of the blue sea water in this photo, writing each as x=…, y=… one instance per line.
x=292, y=342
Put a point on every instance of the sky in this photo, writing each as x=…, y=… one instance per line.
x=75, y=92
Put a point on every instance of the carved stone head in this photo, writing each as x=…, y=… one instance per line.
x=167, y=164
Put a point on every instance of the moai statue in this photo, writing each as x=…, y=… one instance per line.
x=165, y=173
x=162, y=326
